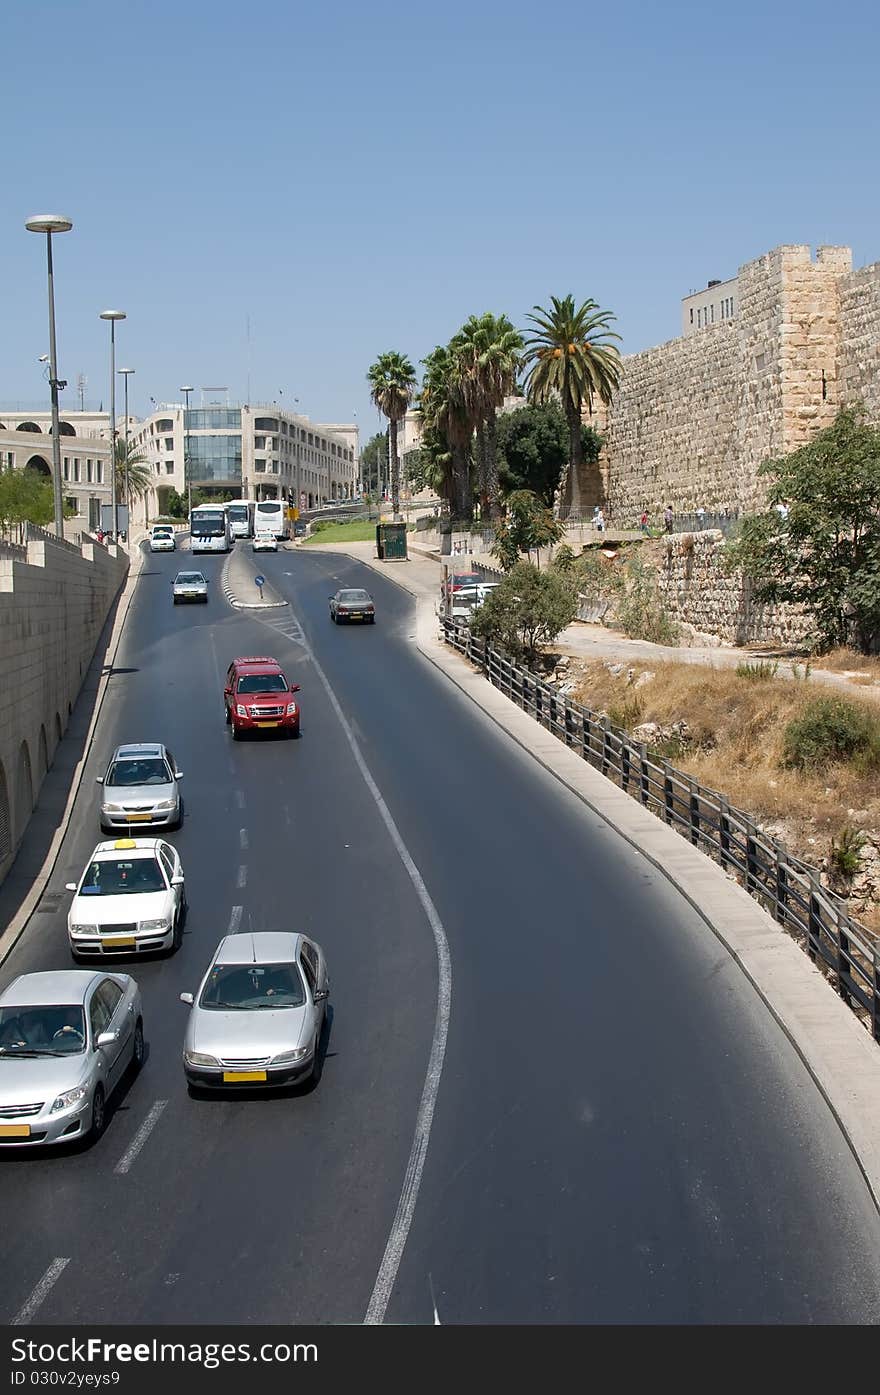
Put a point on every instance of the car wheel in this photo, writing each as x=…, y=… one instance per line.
x=333, y=617
x=99, y=1114
x=372, y=619
x=137, y=1047
x=317, y=1063
x=195, y=1092
x=174, y=598
x=236, y=734
x=228, y=718
x=105, y=830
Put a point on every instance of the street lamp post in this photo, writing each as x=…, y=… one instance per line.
x=125, y=373
x=189, y=492
x=50, y=223
x=113, y=316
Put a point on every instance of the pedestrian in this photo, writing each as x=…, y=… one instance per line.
x=100, y=535
x=600, y=520
x=644, y=521
x=667, y=518
x=782, y=510
x=701, y=514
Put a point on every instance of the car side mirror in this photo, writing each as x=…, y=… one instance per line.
x=321, y=994
x=70, y=886
x=178, y=774
x=107, y=1039
x=99, y=779
x=187, y=998
x=177, y=879
x=295, y=688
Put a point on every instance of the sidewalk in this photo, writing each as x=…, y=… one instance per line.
x=837, y=1051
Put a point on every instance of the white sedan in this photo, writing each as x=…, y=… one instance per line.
x=131, y=899
x=265, y=542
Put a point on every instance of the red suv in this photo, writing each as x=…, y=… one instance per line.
x=258, y=696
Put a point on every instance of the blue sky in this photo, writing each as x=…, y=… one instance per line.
x=350, y=177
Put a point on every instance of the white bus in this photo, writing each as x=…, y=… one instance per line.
x=270, y=516
x=240, y=513
x=209, y=529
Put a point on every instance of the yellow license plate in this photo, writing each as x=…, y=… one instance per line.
x=138, y=818
x=235, y=1077
x=270, y=724
x=15, y=1130
x=119, y=941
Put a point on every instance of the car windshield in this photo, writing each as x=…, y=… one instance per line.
x=238, y=512
x=354, y=598
x=189, y=578
x=269, y=508
x=162, y=532
x=262, y=683
x=112, y=877
x=42, y=1031
x=139, y=772
x=242, y=987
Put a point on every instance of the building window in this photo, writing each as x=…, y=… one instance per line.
x=66, y=468
x=71, y=503
x=260, y=467
x=89, y=471
x=164, y=425
x=169, y=443
x=266, y=424
x=158, y=467
x=692, y=314
x=169, y=467
x=259, y=443
x=76, y=472
x=760, y=362
x=99, y=472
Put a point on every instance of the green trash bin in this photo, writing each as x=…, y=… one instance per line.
x=391, y=542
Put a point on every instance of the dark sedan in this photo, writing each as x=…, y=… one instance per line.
x=352, y=604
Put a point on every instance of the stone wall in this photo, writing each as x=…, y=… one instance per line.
x=54, y=600
x=694, y=418
x=697, y=591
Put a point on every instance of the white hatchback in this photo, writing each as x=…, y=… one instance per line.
x=131, y=899
x=265, y=542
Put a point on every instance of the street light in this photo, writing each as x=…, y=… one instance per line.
x=189, y=493
x=113, y=316
x=124, y=373
x=50, y=223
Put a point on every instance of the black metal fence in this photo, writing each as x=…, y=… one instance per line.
x=788, y=888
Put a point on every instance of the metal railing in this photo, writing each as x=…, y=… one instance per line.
x=20, y=534
x=790, y=889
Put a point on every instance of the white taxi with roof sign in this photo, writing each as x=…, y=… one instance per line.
x=131, y=899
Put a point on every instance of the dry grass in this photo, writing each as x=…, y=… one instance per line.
x=867, y=666
x=738, y=728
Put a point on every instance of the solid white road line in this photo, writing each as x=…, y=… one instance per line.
x=140, y=1138
x=234, y=920
x=239, y=798
x=243, y=839
x=242, y=876
x=52, y=1274
x=406, y=1205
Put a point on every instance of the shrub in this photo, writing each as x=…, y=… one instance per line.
x=759, y=672
x=527, y=609
x=846, y=852
x=626, y=714
x=830, y=730
x=641, y=613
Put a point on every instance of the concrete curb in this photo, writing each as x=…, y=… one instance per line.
x=16, y=927
x=229, y=587
x=840, y=1056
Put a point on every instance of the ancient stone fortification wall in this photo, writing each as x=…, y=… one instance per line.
x=697, y=591
x=694, y=418
x=859, y=360
x=54, y=599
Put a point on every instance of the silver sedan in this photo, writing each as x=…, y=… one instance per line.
x=258, y=1016
x=189, y=586
x=66, y=1040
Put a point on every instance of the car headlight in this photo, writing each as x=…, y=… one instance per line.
x=70, y=1097
x=198, y=1058
x=290, y=1058
x=167, y=804
x=112, y=808
x=83, y=929
x=161, y=923
x=291, y=709
x=240, y=710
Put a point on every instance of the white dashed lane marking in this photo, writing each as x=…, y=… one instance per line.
x=243, y=838
x=140, y=1138
x=51, y=1276
x=242, y=876
x=235, y=920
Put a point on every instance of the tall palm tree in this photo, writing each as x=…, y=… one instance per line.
x=132, y=467
x=448, y=421
x=392, y=380
x=489, y=353
x=570, y=357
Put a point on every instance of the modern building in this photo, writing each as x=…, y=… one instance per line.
x=716, y=303
x=257, y=452
x=26, y=444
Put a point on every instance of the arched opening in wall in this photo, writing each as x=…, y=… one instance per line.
x=43, y=754
x=65, y=429
x=24, y=788
x=5, y=823
x=39, y=466
x=29, y=426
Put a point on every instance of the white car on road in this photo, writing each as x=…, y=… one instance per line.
x=265, y=542
x=131, y=899
x=162, y=538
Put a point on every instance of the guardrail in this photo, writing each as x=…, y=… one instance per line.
x=787, y=887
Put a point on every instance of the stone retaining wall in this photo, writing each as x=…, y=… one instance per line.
x=54, y=600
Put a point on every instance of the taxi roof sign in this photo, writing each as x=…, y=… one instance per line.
x=125, y=843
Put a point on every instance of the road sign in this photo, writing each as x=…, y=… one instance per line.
x=261, y=582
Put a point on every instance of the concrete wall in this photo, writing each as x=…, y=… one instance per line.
x=54, y=600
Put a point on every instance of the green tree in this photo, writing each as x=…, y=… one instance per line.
x=139, y=477
x=533, y=447
x=825, y=555
x=527, y=609
x=487, y=352
x=25, y=497
x=392, y=380
x=373, y=457
x=447, y=428
x=570, y=357
x=527, y=526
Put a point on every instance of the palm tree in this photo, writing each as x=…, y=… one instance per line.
x=132, y=469
x=488, y=349
x=570, y=357
x=448, y=423
x=392, y=380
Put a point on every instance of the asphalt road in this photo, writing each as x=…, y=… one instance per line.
x=622, y=1133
